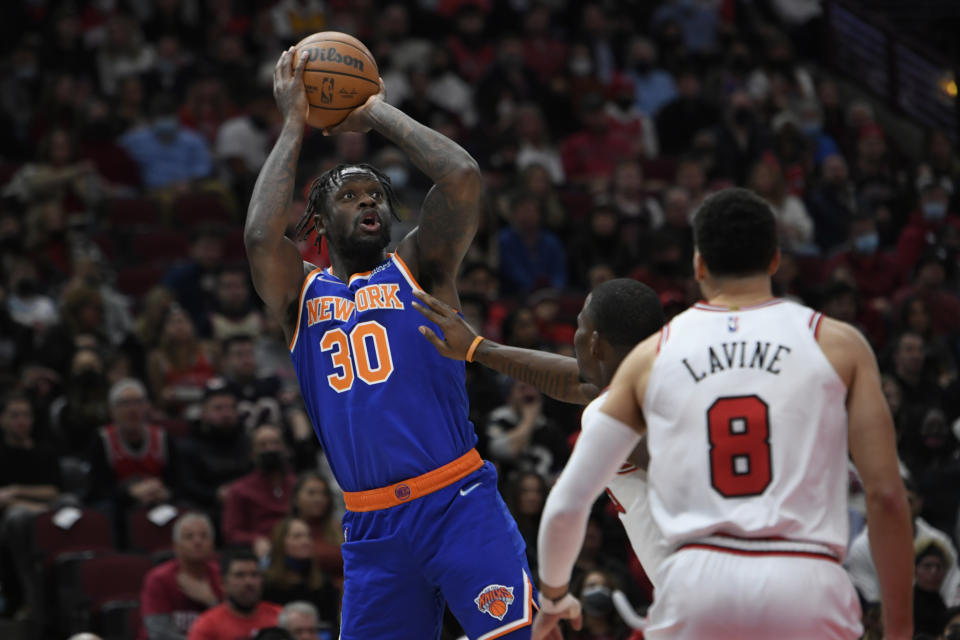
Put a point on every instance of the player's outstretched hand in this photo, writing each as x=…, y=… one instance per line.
x=359, y=118
x=546, y=626
x=458, y=335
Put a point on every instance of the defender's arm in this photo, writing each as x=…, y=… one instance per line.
x=555, y=375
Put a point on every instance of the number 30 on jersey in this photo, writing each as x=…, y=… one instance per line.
x=364, y=354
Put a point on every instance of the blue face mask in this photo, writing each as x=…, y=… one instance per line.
x=810, y=129
x=934, y=211
x=165, y=127
x=867, y=244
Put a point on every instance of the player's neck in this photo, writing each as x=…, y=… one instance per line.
x=344, y=267
x=737, y=292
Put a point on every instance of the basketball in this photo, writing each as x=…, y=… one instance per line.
x=340, y=75
x=498, y=608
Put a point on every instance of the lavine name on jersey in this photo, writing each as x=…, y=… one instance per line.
x=758, y=355
x=374, y=296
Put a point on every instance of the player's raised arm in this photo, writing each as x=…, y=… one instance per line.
x=874, y=451
x=555, y=375
x=450, y=213
x=275, y=262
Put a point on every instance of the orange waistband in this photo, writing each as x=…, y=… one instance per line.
x=413, y=488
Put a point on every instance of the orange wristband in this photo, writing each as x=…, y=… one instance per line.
x=473, y=347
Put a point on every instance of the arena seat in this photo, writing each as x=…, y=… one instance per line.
x=86, y=582
x=137, y=280
x=132, y=213
x=148, y=537
x=193, y=209
x=160, y=245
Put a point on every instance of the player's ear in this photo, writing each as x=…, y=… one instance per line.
x=699, y=267
x=596, y=345
x=775, y=263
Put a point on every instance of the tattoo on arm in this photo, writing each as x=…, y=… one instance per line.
x=451, y=211
x=556, y=376
x=266, y=216
x=274, y=261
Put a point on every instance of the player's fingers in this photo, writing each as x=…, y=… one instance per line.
x=301, y=65
x=577, y=622
x=429, y=313
x=437, y=343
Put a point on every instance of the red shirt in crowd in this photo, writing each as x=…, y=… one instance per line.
x=913, y=238
x=588, y=155
x=127, y=464
x=220, y=623
x=161, y=595
x=877, y=275
x=253, y=507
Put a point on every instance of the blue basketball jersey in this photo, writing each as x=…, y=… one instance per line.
x=385, y=405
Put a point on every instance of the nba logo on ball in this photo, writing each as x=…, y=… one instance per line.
x=326, y=90
x=495, y=599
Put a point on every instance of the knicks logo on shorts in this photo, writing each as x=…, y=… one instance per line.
x=495, y=599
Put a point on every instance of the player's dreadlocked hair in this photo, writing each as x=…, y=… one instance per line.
x=327, y=182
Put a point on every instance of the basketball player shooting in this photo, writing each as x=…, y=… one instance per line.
x=424, y=521
x=750, y=405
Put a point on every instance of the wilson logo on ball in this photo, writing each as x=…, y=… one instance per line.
x=317, y=54
x=495, y=600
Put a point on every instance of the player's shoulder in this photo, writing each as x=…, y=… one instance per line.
x=836, y=334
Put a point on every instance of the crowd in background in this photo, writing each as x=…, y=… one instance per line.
x=140, y=368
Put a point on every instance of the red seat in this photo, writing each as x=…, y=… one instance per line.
x=87, y=582
x=193, y=209
x=132, y=213
x=160, y=246
x=148, y=537
x=120, y=620
x=91, y=532
x=136, y=281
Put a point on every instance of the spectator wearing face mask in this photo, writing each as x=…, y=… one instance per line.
x=216, y=451
x=169, y=156
x=876, y=272
x=600, y=620
x=930, y=219
x=259, y=500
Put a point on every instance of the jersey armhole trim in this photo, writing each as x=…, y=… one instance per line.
x=664, y=336
x=303, y=291
x=405, y=270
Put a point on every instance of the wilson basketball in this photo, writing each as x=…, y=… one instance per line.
x=339, y=76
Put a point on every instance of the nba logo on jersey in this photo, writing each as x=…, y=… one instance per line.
x=495, y=599
x=733, y=323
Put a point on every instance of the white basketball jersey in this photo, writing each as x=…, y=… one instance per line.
x=747, y=428
x=628, y=491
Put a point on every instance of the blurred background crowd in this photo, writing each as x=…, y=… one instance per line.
x=142, y=380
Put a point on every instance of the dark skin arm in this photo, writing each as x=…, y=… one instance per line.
x=276, y=265
x=450, y=213
x=556, y=376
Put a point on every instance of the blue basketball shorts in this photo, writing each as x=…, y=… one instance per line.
x=457, y=546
